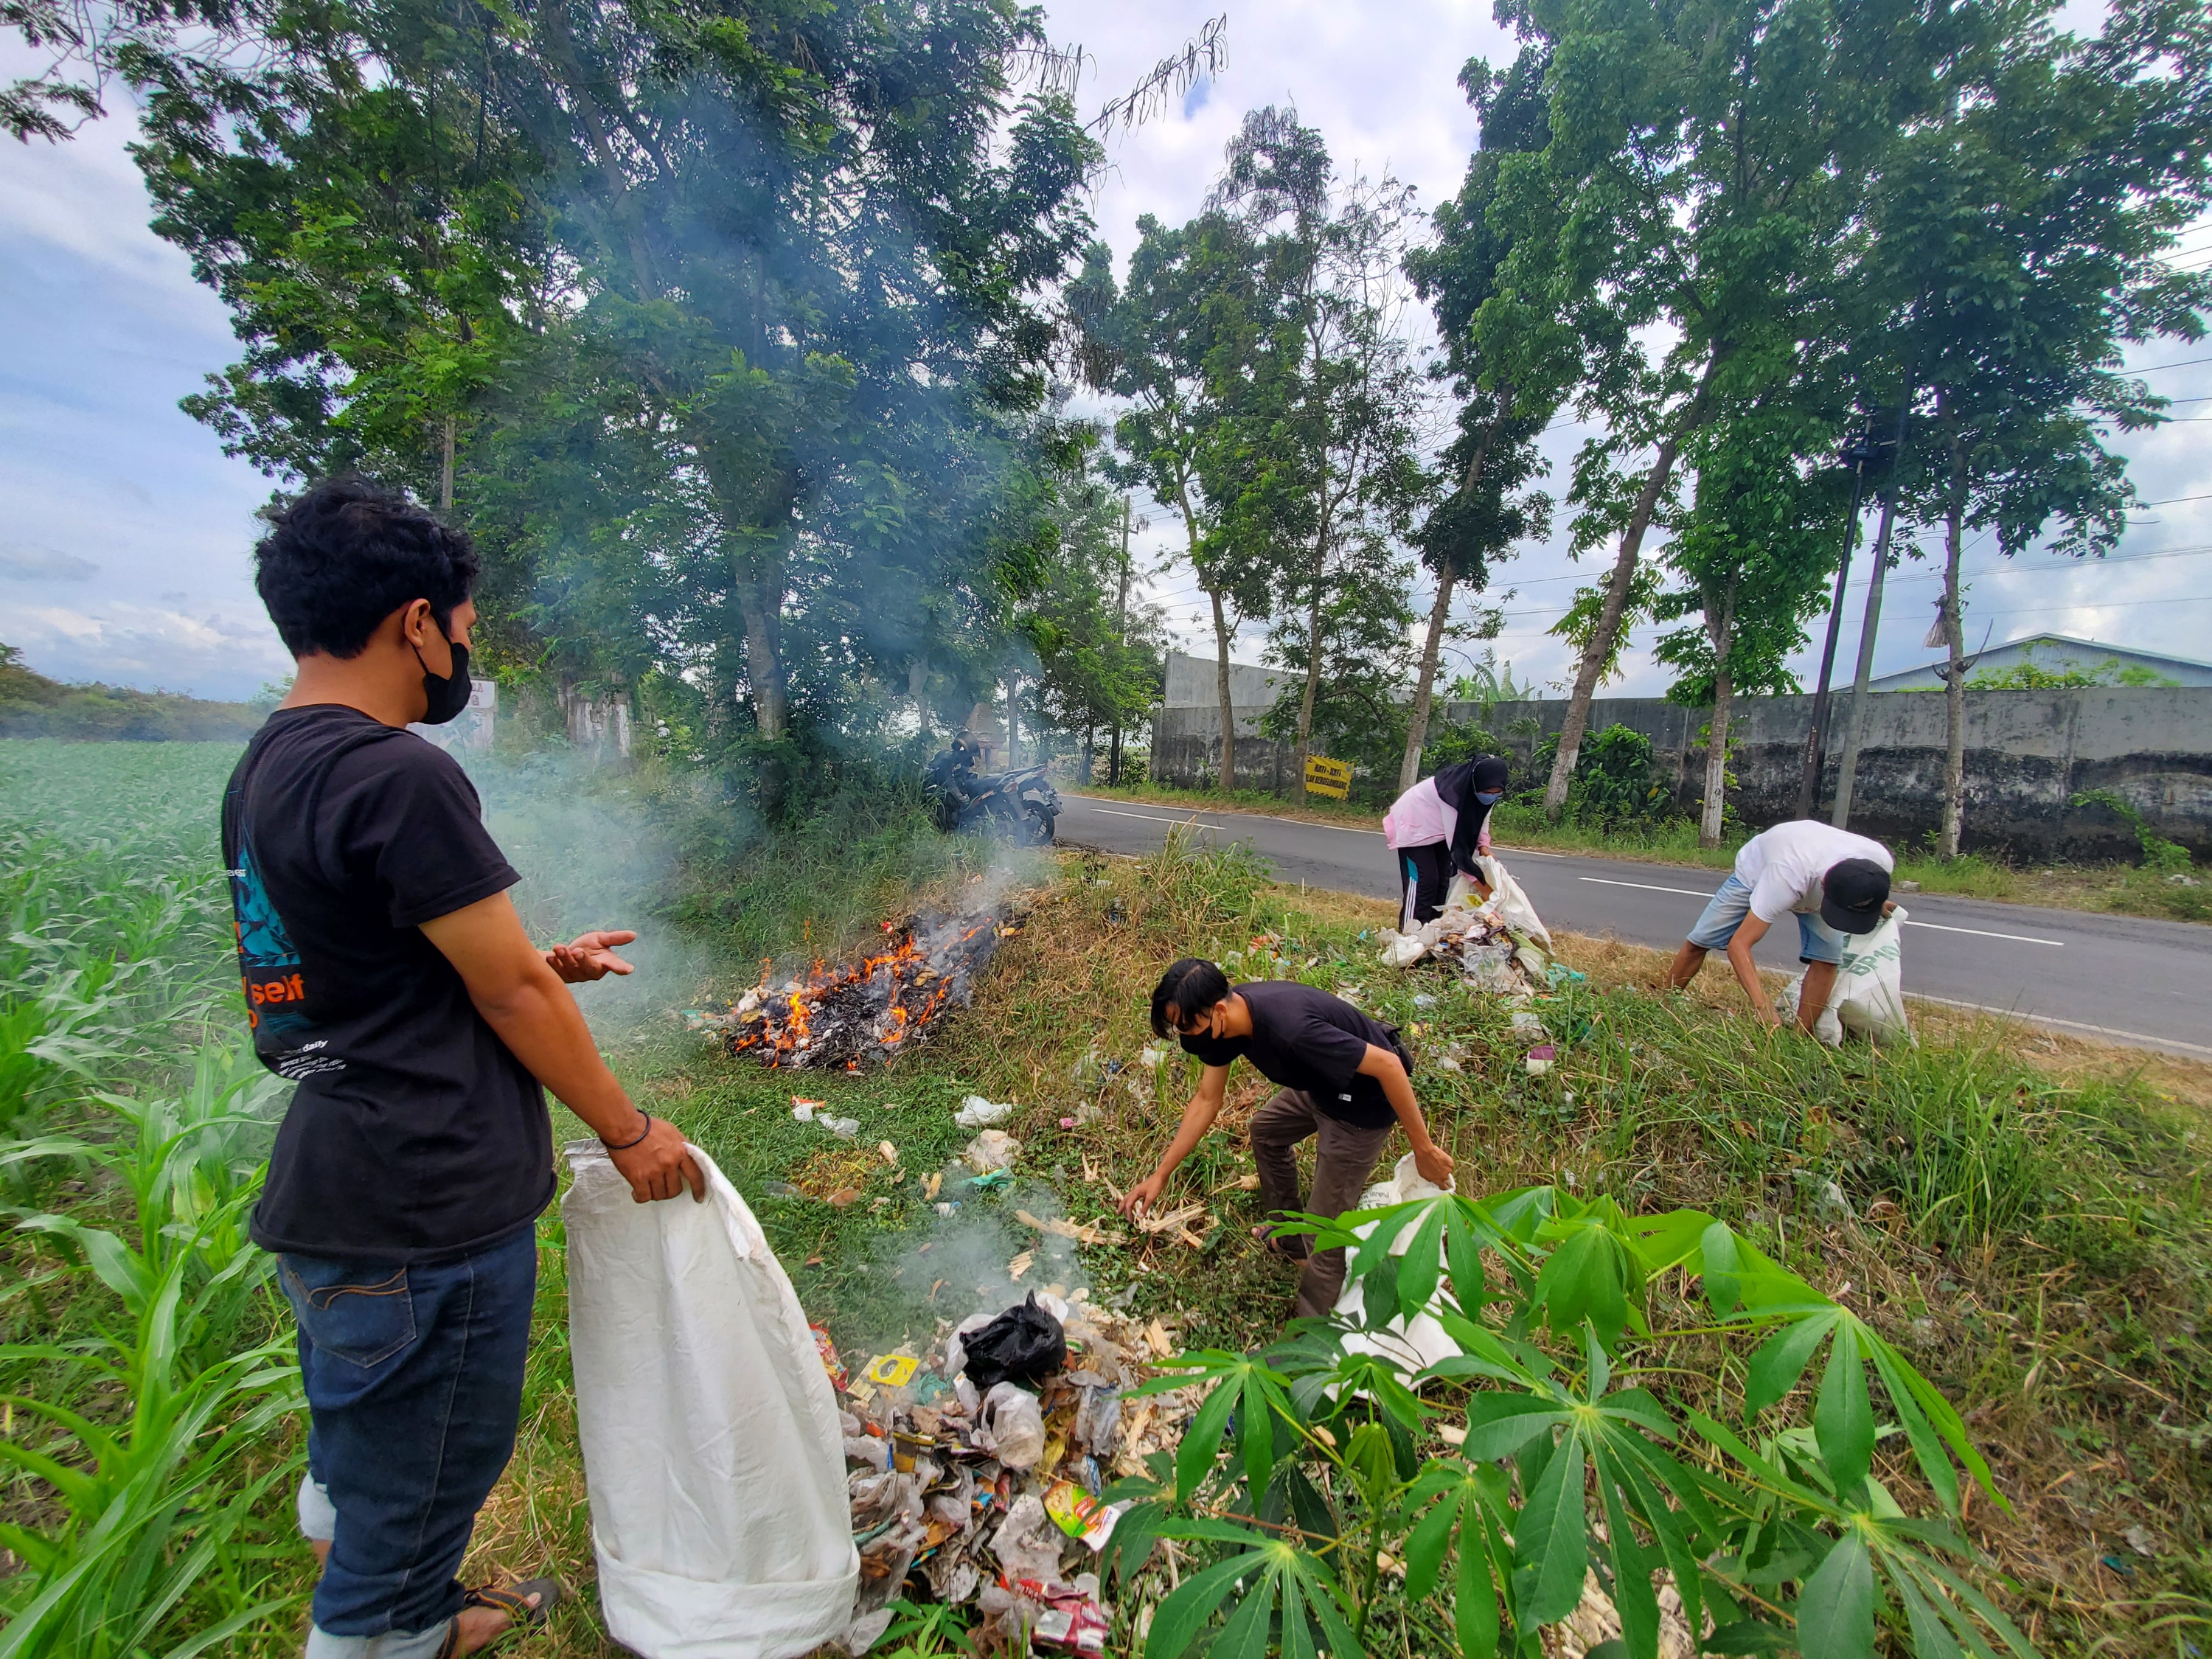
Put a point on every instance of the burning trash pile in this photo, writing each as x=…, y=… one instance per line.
x=1500, y=945
x=868, y=1010
x=979, y=1466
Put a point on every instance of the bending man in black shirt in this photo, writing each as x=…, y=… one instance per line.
x=386, y=972
x=1344, y=1081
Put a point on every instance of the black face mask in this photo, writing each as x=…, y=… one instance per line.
x=448, y=693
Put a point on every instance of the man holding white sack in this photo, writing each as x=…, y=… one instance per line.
x=1834, y=882
x=389, y=975
x=1439, y=828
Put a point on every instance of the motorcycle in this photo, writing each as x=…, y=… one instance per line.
x=1021, y=805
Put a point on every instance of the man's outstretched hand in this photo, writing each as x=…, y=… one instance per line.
x=660, y=1165
x=1140, y=1198
x=591, y=956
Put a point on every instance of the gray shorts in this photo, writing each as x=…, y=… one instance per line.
x=1726, y=910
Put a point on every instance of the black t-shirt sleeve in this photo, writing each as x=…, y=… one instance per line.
x=406, y=815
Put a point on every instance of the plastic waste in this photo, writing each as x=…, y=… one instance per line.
x=869, y=1450
x=955, y=1352
x=1025, y=1342
x=1421, y=1342
x=843, y=1128
x=977, y=1113
x=990, y=1152
x=1028, y=1545
x=713, y=1452
x=1011, y=1423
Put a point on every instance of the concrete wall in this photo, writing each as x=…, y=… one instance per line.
x=1196, y=683
x=2028, y=753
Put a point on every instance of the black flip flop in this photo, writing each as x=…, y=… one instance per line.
x=514, y=1601
x=1294, y=1250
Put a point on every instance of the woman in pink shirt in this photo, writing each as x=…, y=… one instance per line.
x=1438, y=826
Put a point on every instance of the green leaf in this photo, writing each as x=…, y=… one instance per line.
x=1498, y=1425
x=1426, y=1546
x=1633, y=1595
x=1195, y=1458
x=1781, y=1359
x=1475, y=1600
x=1245, y=1635
x=1549, y=1554
x=1835, y=1615
x=1422, y=1261
x=1255, y=1424
x=1748, y=1636
x=1185, y=1610
x=1843, y=1417
x=1927, y=1445
x=1718, y=1263
x=1930, y=1639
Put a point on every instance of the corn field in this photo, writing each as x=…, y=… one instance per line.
x=147, y=1381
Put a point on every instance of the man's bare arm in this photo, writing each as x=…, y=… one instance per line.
x=522, y=998
x=1748, y=932
x=1386, y=1069
x=1197, y=1118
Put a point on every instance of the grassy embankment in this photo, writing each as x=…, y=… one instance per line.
x=2020, y=1212
x=2119, y=889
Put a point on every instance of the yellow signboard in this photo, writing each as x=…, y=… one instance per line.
x=1328, y=777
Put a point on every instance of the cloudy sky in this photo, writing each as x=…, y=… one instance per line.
x=123, y=546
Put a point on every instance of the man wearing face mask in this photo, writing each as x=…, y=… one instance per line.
x=1439, y=826
x=387, y=974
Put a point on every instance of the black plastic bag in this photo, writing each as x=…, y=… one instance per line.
x=1024, y=1343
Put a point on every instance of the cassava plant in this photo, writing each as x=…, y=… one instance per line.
x=1513, y=1331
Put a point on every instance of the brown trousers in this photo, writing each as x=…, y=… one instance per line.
x=1345, y=1156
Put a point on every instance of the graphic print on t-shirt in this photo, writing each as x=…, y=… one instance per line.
x=268, y=961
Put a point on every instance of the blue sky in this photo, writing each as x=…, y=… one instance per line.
x=123, y=542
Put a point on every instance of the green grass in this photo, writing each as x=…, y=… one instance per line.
x=2022, y=1215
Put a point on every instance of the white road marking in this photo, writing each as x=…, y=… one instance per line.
x=2071, y=1025
x=1983, y=933
x=1265, y=817
x=1527, y=852
x=1148, y=817
x=1646, y=886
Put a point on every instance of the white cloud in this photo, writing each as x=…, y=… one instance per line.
x=27, y=562
x=233, y=653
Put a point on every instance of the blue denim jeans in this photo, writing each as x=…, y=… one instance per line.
x=414, y=1383
x=1725, y=911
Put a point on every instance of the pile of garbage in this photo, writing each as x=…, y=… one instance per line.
x=1501, y=945
x=981, y=1466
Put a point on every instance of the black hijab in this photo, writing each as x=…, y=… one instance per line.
x=1456, y=787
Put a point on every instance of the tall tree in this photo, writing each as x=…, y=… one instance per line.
x=1753, y=553
x=1713, y=157
x=1178, y=341
x=1494, y=454
x=2023, y=235
x=1327, y=426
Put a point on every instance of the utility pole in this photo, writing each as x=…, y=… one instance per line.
x=1847, y=773
x=1858, y=450
x=1120, y=637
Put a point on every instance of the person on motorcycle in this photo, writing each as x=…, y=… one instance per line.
x=952, y=775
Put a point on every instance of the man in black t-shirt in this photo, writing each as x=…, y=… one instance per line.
x=1345, y=1080
x=387, y=973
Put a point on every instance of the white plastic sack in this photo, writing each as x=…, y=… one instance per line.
x=1870, y=985
x=977, y=1113
x=1869, y=997
x=713, y=1452
x=1421, y=1342
x=1511, y=903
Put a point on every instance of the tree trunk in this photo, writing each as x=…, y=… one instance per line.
x=1955, y=687
x=1417, y=729
x=1310, y=696
x=1716, y=801
x=1090, y=749
x=760, y=601
x=1113, y=760
x=445, y=468
x=1228, y=710
x=1847, y=770
x=1599, y=646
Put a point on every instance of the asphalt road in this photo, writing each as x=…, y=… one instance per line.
x=2118, y=977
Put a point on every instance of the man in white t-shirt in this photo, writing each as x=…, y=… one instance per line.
x=1835, y=881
